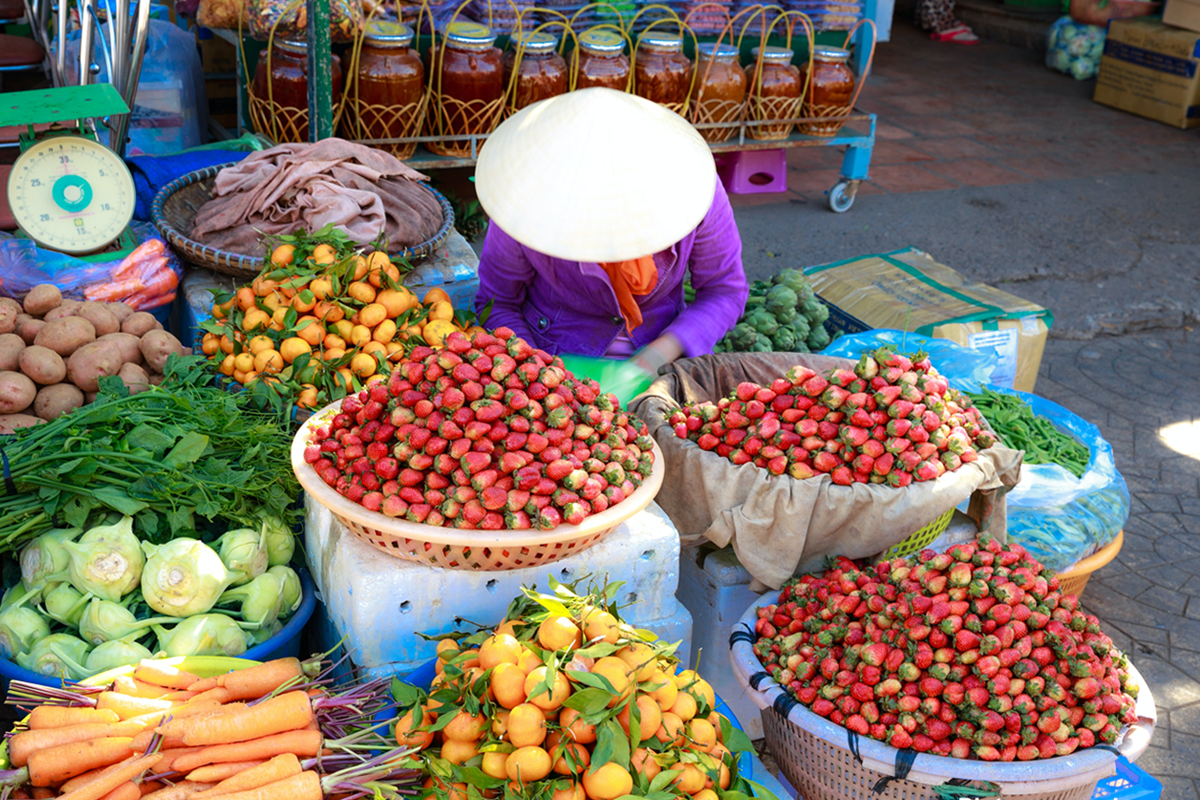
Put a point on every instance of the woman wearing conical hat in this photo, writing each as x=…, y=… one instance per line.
x=601, y=203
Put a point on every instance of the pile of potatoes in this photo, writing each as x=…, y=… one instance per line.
x=54, y=351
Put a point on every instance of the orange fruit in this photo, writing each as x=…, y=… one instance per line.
x=307, y=397
x=246, y=298
x=599, y=624
x=616, y=672
x=689, y=681
x=294, y=347
x=441, y=310
x=406, y=733
x=571, y=759
x=243, y=362
x=558, y=633
x=701, y=735
x=268, y=361
x=607, y=782
x=526, y=725
x=711, y=766
x=528, y=661
x=510, y=626
x=372, y=314
x=259, y=343
x=648, y=711
x=671, y=729
x=493, y=764
x=322, y=288
x=666, y=693
x=573, y=792
x=690, y=780
x=705, y=794
x=500, y=723
x=384, y=332
x=254, y=319
x=684, y=706
x=435, y=332
x=639, y=657
x=283, y=254
x=226, y=367
x=310, y=329
x=361, y=291
x=396, y=301
x=642, y=761
x=499, y=648
x=551, y=699
x=363, y=365
x=457, y=752
x=455, y=791
x=324, y=255
x=508, y=685
x=435, y=295
x=574, y=727
x=465, y=727
x=527, y=764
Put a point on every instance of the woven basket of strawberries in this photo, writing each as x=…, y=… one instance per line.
x=794, y=457
x=907, y=674
x=484, y=455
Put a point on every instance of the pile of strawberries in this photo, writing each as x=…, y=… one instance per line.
x=892, y=420
x=972, y=652
x=486, y=433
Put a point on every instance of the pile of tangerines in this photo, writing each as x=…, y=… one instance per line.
x=563, y=701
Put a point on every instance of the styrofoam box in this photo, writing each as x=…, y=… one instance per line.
x=380, y=602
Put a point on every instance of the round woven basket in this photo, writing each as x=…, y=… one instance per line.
x=450, y=548
x=816, y=757
x=176, y=205
x=1075, y=580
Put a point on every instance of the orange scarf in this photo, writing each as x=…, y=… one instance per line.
x=638, y=276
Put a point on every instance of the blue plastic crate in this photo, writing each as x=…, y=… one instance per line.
x=1130, y=783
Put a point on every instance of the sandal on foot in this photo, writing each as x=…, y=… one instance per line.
x=959, y=34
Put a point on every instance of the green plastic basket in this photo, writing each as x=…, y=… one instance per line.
x=922, y=538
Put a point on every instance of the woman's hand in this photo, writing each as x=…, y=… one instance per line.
x=662, y=350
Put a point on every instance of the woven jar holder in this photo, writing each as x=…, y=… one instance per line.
x=671, y=20
x=548, y=21
x=701, y=109
x=835, y=113
x=777, y=112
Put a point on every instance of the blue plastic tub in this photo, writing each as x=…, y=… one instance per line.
x=1130, y=783
x=285, y=643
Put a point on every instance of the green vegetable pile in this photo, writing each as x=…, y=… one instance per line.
x=181, y=459
x=1020, y=429
x=781, y=316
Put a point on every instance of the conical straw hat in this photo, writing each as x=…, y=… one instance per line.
x=596, y=175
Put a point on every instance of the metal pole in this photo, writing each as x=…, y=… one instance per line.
x=320, y=72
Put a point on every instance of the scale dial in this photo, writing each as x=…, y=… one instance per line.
x=71, y=194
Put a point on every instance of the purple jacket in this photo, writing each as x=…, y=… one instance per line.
x=570, y=306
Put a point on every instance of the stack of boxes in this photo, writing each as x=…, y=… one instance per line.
x=1152, y=67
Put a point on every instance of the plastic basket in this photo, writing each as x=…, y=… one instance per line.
x=815, y=756
x=1075, y=580
x=922, y=538
x=451, y=548
x=1130, y=783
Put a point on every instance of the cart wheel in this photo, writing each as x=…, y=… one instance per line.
x=840, y=199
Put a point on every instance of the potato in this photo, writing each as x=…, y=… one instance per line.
x=103, y=320
x=139, y=323
x=42, y=298
x=156, y=346
x=92, y=362
x=29, y=330
x=66, y=308
x=54, y=401
x=121, y=311
x=16, y=392
x=21, y=319
x=155, y=380
x=89, y=397
x=127, y=343
x=65, y=336
x=135, y=378
x=11, y=346
x=11, y=423
x=8, y=315
x=43, y=365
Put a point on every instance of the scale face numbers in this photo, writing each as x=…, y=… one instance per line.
x=71, y=194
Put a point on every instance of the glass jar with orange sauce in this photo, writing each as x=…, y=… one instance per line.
x=777, y=95
x=468, y=85
x=388, y=100
x=281, y=79
x=831, y=90
x=662, y=73
x=601, y=60
x=719, y=89
x=542, y=73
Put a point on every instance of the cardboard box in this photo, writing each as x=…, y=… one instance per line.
x=222, y=101
x=217, y=56
x=908, y=290
x=1151, y=69
x=1183, y=14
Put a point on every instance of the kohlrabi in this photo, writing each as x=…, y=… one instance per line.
x=281, y=542
x=58, y=655
x=258, y=601
x=45, y=557
x=107, y=561
x=203, y=635
x=244, y=552
x=111, y=655
x=105, y=621
x=63, y=603
x=262, y=634
x=293, y=591
x=183, y=577
x=21, y=627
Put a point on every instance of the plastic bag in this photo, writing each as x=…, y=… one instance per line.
x=1059, y=518
x=345, y=19
x=145, y=279
x=1074, y=48
x=619, y=377
x=966, y=369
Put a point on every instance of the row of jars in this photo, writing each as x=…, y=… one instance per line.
x=476, y=75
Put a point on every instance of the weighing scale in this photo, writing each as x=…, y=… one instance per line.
x=68, y=191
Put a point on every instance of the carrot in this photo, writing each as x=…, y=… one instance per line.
x=278, y=768
x=301, y=743
x=80, y=780
x=173, y=731
x=128, y=706
x=215, y=773
x=180, y=791
x=19, y=794
x=162, y=672
x=172, y=755
x=22, y=744
x=261, y=680
x=285, y=712
x=56, y=764
x=151, y=248
x=204, y=684
x=304, y=786
x=44, y=794
x=126, y=791
x=178, y=713
x=218, y=693
x=113, y=777
x=179, y=696
x=64, y=716
x=125, y=684
x=147, y=787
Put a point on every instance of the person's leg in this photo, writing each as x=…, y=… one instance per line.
x=937, y=17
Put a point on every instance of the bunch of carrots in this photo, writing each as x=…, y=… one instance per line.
x=144, y=279
x=162, y=733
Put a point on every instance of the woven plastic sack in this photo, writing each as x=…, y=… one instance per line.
x=1059, y=518
x=289, y=19
x=966, y=369
x=229, y=14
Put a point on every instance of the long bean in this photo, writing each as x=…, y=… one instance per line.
x=1018, y=427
